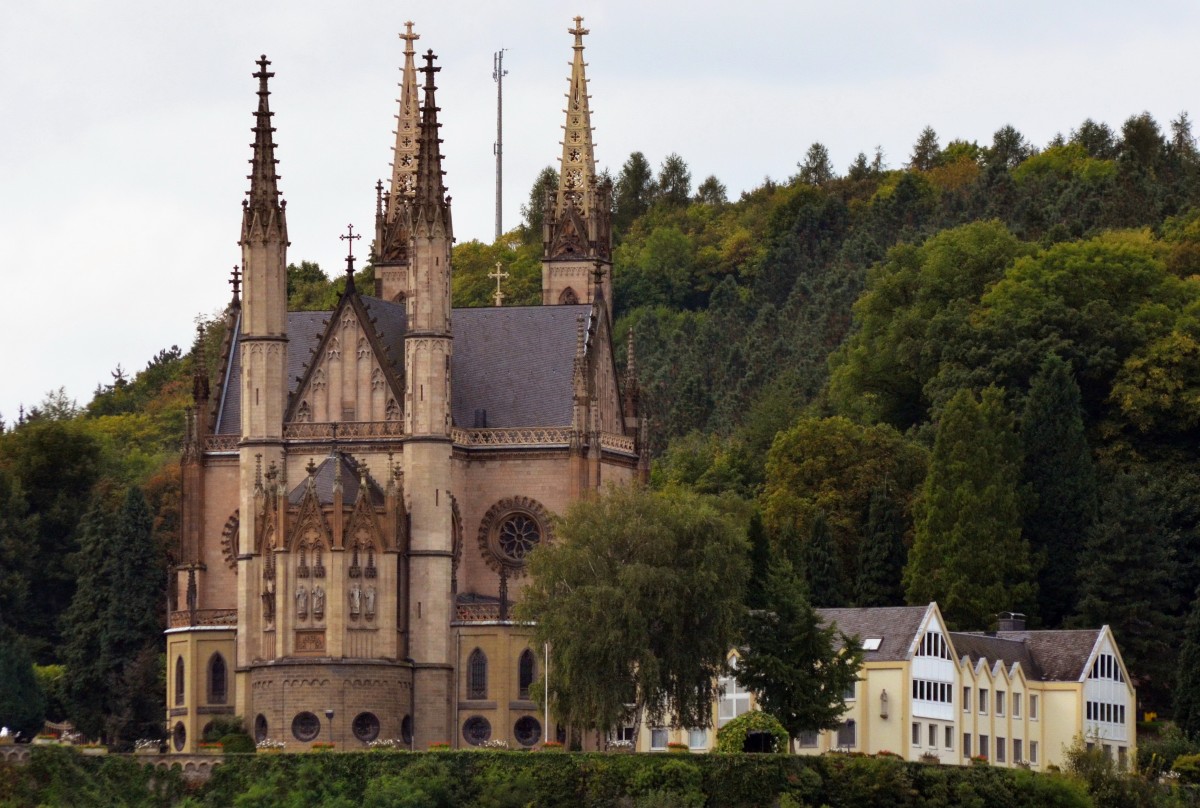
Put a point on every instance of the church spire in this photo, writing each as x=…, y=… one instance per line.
x=263, y=211
x=431, y=205
x=578, y=161
x=577, y=225
x=404, y=155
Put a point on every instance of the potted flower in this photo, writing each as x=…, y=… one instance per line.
x=620, y=746
x=45, y=739
x=552, y=746
x=979, y=760
x=387, y=745
x=93, y=749
x=677, y=748
x=439, y=746
x=322, y=746
x=494, y=744
x=267, y=746
x=211, y=748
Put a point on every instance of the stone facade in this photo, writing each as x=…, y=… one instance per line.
x=361, y=487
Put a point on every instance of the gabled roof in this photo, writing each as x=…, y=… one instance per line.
x=895, y=626
x=323, y=481
x=514, y=362
x=995, y=649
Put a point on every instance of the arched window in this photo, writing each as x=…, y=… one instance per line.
x=524, y=673
x=568, y=297
x=178, y=680
x=217, y=680
x=477, y=675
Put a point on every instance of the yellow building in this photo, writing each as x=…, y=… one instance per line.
x=362, y=486
x=1012, y=696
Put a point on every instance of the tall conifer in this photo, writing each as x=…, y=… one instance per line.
x=821, y=566
x=881, y=563
x=1187, y=676
x=968, y=553
x=1062, y=481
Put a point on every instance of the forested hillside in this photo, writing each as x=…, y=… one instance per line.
x=974, y=377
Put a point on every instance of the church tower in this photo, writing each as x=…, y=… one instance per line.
x=577, y=225
x=262, y=340
x=391, y=208
x=428, y=448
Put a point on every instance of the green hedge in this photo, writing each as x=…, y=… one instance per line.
x=583, y=780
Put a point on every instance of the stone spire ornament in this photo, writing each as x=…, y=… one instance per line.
x=393, y=205
x=263, y=210
x=578, y=167
x=431, y=205
x=404, y=156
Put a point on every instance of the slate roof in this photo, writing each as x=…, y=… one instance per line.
x=323, y=480
x=896, y=626
x=996, y=649
x=1061, y=655
x=514, y=362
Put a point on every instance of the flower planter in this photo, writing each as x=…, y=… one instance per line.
x=146, y=751
x=216, y=749
x=47, y=740
x=94, y=751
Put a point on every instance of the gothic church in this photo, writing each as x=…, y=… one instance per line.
x=362, y=486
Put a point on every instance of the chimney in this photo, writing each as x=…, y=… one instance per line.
x=1011, y=621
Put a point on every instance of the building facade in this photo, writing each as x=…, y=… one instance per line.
x=362, y=486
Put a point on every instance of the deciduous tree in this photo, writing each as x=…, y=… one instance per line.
x=639, y=597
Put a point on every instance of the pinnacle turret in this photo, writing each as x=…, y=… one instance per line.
x=392, y=207
x=263, y=208
x=431, y=205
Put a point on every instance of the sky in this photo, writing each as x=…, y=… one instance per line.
x=125, y=126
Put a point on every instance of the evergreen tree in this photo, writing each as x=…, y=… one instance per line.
x=634, y=190
x=1186, y=698
x=817, y=169
x=18, y=534
x=534, y=211
x=22, y=703
x=674, y=186
x=821, y=566
x=113, y=627
x=83, y=623
x=1061, y=480
x=799, y=669
x=712, y=192
x=926, y=151
x=881, y=563
x=1125, y=577
x=968, y=553
x=760, y=562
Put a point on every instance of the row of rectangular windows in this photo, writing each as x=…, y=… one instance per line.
x=1000, y=697
x=1103, y=711
x=1018, y=749
x=933, y=736
x=932, y=691
x=1106, y=667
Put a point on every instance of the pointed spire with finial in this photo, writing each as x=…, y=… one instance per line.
x=431, y=205
x=404, y=156
x=263, y=211
x=630, y=382
x=200, y=389
x=578, y=160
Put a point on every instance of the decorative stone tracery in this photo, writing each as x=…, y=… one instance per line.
x=510, y=530
x=229, y=540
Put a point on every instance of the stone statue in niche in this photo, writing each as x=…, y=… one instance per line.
x=370, y=603
x=268, y=598
x=301, y=602
x=318, y=598
x=355, y=601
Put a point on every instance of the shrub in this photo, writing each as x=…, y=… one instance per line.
x=731, y=738
x=1188, y=768
x=238, y=743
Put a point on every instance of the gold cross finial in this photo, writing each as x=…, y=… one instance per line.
x=499, y=275
x=578, y=31
x=408, y=36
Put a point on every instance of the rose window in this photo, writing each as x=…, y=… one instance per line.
x=519, y=534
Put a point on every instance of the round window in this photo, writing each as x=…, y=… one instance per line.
x=527, y=731
x=306, y=726
x=406, y=729
x=517, y=537
x=365, y=727
x=260, y=727
x=179, y=736
x=476, y=730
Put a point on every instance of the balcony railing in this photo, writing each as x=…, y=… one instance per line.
x=204, y=617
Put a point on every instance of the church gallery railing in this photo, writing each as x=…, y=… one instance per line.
x=470, y=438
x=204, y=617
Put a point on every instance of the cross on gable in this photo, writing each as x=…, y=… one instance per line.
x=408, y=36
x=350, y=237
x=499, y=275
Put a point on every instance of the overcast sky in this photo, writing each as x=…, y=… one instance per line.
x=124, y=126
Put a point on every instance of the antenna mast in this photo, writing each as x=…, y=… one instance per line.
x=498, y=74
